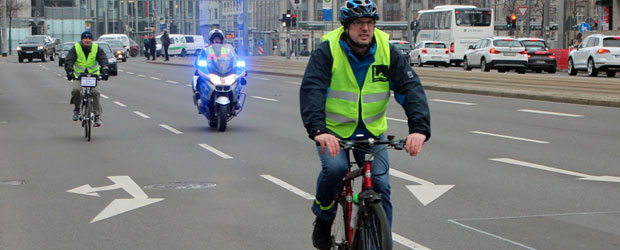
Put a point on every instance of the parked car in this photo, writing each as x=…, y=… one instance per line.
x=39, y=46
x=501, y=53
x=430, y=52
x=194, y=44
x=117, y=49
x=134, y=48
x=403, y=46
x=64, y=50
x=112, y=62
x=596, y=53
x=538, y=56
x=126, y=44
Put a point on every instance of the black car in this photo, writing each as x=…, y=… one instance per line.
x=112, y=62
x=538, y=56
x=40, y=47
x=64, y=50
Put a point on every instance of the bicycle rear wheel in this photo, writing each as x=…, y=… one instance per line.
x=374, y=229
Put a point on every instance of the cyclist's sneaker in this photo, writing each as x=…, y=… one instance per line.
x=97, y=121
x=321, y=238
x=76, y=115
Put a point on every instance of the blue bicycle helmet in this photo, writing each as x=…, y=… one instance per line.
x=354, y=9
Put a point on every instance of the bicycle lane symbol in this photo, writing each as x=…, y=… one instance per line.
x=117, y=206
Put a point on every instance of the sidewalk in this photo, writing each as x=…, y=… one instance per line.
x=599, y=91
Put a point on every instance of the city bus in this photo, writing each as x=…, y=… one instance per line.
x=457, y=25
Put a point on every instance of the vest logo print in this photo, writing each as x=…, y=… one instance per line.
x=379, y=73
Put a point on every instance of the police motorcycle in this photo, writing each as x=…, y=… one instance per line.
x=218, y=84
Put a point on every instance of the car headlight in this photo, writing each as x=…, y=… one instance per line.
x=40, y=48
x=18, y=48
x=226, y=81
x=112, y=60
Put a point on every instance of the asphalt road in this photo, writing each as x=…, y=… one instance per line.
x=525, y=174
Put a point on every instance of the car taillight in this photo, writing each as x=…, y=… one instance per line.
x=528, y=55
x=551, y=57
x=423, y=51
x=494, y=51
x=452, y=47
x=447, y=51
x=602, y=51
x=523, y=52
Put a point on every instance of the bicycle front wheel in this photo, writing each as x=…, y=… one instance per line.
x=89, y=120
x=339, y=227
x=374, y=229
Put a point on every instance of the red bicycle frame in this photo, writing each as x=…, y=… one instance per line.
x=347, y=192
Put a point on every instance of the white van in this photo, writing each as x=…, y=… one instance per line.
x=177, y=45
x=122, y=37
x=194, y=44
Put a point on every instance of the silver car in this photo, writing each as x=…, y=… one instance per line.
x=501, y=53
x=596, y=53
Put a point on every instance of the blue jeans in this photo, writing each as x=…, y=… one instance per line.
x=334, y=169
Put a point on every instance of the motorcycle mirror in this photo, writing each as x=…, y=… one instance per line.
x=243, y=82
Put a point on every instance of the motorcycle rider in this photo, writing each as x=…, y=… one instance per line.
x=344, y=93
x=216, y=36
x=86, y=58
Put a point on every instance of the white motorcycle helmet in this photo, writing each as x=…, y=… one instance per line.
x=216, y=32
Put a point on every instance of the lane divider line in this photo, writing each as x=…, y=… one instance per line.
x=508, y=137
x=408, y=243
x=453, y=102
x=171, y=129
x=548, y=113
x=173, y=82
x=155, y=78
x=262, y=78
x=492, y=235
x=288, y=187
x=215, y=151
x=188, y=85
x=141, y=114
x=141, y=75
x=131, y=73
x=264, y=98
x=104, y=96
x=294, y=83
x=120, y=104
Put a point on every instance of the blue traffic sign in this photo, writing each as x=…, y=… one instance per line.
x=162, y=26
x=261, y=43
x=584, y=27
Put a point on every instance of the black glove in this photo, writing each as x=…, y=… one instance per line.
x=70, y=75
x=104, y=73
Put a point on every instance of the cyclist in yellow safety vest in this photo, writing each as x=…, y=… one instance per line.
x=345, y=93
x=86, y=58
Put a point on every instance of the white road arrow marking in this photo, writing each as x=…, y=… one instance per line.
x=117, y=206
x=426, y=192
x=581, y=176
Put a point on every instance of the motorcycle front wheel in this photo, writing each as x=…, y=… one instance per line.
x=222, y=117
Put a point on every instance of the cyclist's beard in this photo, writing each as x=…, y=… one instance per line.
x=356, y=44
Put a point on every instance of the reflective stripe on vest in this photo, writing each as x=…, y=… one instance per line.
x=344, y=96
x=85, y=64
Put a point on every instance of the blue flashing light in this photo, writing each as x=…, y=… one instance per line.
x=202, y=63
x=241, y=64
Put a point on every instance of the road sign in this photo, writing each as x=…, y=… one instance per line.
x=162, y=26
x=261, y=43
x=522, y=10
x=583, y=27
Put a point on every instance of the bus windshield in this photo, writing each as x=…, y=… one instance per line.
x=473, y=17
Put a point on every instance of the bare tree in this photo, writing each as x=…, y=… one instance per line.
x=12, y=8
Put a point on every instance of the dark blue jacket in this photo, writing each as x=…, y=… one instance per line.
x=403, y=80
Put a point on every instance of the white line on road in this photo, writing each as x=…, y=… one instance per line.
x=104, y=96
x=155, y=78
x=59, y=75
x=548, y=113
x=295, y=83
x=508, y=137
x=141, y=114
x=288, y=187
x=188, y=85
x=121, y=70
x=262, y=78
x=215, y=151
x=131, y=73
x=173, y=82
x=264, y=98
x=408, y=243
x=541, y=167
x=120, y=104
x=171, y=129
x=453, y=102
x=141, y=75
x=492, y=235
x=394, y=119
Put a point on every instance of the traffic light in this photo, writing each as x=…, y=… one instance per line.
x=595, y=25
x=513, y=20
x=508, y=22
x=294, y=20
x=286, y=20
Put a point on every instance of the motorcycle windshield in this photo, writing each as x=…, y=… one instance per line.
x=220, y=58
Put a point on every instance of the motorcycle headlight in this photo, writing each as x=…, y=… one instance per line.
x=18, y=48
x=224, y=81
x=40, y=48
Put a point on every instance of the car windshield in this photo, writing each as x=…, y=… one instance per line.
x=67, y=46
x=402, y=45
x=611, y=42
x=507, y=43
x=473, y=17
x=158, y=39
x=115, y=43
x=106, y=48
x=435, y=45
x=34, y=40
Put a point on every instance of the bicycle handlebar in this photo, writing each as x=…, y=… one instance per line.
x=350, y=144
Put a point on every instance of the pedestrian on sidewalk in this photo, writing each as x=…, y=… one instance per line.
x=165, y=42
x=147, y=47
x=153, y=46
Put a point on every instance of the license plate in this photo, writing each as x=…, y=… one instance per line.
x=435, y=57
x=510, y=53
x=88, y=81
x=29, y=52
x=539, y=61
